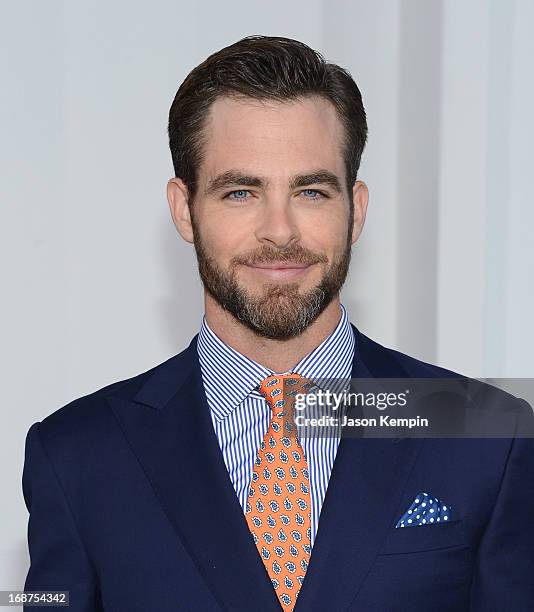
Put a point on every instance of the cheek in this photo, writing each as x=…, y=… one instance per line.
x=327, y=234
x=230, y=231
x=223, y=241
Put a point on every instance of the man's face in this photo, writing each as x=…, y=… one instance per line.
x=271, y=217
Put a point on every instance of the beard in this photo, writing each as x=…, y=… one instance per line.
x=280, y=312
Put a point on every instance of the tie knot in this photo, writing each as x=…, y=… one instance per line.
x=280, y=389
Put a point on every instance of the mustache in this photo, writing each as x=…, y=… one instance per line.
x=296, y=254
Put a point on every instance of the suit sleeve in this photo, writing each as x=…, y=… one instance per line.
x=504, y=574
x=58, y=558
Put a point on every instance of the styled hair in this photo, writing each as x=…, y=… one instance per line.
x=263, y=68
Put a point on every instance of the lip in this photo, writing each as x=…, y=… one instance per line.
x=279, y=271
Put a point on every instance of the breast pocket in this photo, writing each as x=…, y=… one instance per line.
x=431, y=536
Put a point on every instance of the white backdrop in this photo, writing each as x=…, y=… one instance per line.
x=97, y=285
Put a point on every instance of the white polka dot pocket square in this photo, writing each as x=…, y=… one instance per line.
x=425, y=509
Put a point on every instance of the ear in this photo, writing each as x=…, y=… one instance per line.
x=177, y=196
x=360, y=198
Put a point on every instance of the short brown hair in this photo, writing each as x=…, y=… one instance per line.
x=263, y=68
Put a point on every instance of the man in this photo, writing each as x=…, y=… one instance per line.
x=179, y=489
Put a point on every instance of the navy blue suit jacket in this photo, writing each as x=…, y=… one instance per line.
x=132, y=509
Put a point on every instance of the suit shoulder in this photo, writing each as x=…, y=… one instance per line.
x=484, y=396
x=388, y=362
x=423, y=368
x=92, y=409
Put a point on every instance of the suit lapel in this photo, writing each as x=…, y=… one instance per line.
x=169, y=428
x=361, y=502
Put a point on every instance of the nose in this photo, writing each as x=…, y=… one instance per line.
x=277, y=225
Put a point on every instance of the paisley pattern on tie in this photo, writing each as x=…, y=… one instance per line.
x=278, y=509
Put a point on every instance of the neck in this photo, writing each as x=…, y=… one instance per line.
x=277, y=355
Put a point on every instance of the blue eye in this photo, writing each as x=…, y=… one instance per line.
x=239, y=194
x=316, y=197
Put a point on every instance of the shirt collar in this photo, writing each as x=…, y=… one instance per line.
x=229, y=377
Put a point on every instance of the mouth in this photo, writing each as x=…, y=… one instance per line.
x=281, y=270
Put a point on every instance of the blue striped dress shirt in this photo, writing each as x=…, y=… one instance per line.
x=241, y=415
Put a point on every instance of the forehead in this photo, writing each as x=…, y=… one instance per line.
x=276, y=139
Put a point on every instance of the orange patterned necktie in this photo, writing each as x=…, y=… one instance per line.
x=278, y=509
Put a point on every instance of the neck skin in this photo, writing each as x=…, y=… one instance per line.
x=277, y=355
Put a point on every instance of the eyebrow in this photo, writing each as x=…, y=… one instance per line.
x=233, y=178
